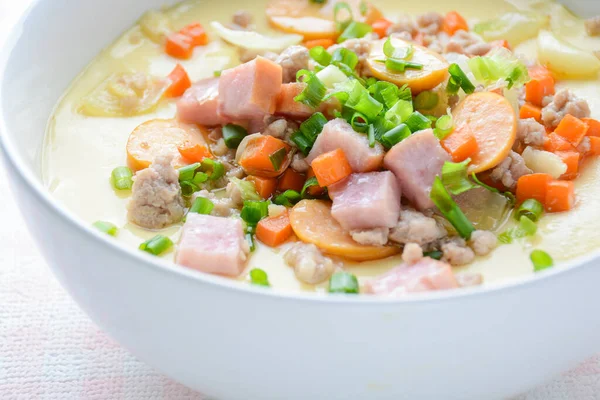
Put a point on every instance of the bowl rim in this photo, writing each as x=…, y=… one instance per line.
x=7, y=40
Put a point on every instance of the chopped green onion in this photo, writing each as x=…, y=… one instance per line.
x=346, y=57
x=528, y=227
x=443, y=126
x=458, y=79
x=426, y=100
x=355, y=30
x=371, y=136
x=318, y=1
x=490, y=69
x=385, y=92
x=315, y=90
x=525, y=228
x=233, y=135
x=308, y=184
x=448, y=207
x=259, y=277
x=364, y=103
x=250, y=240
x=320, y=55
x=400, y=112
x=302, y=142
x=436, y=254
x=396, y=65
x=395, y=136
x=157, y=245
x=202, y=205
x=530, y=208
x=359, y=122
x=541, y=260
x=106, y=227
x=187, y=173
x=200, y=178
x=247, y=189
x=253, y=211
x=343, y=282
x=417, y=122
x=188, y=188
x=277, y=158
x=217, y=74
x=390, y=51
x=312, y=127
x=288, y=198
x=216, y=169
x=364, y=8
x=454, y=177
x=339, y=7
x=405, y=93
x=121, y=178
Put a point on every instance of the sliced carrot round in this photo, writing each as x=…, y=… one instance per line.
x=159, y=137
x=434, y=72
x=492, y=120
x=313, y=20
x=312, y=222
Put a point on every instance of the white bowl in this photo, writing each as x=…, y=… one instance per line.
x=237, y=342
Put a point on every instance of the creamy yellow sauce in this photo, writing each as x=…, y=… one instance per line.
x=81, y=151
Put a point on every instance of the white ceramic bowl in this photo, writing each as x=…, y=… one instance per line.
x=237, y=342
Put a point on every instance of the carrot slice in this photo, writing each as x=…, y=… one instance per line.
x=274, y=231
x=264, y=186
x=530, y=111
x=331, y=167
x=454, y=22
x=180, y=82
x=540, y=85
x=572, y=129
x=493, y=122
x=257, y=158
x=533, y=186
x=460, y=145
x=556, y=143
x=381, y=26
x=571, y=159
x=194, y=152
x=560, y=196
x=313, y=190
x=594, y=146
x=313, y=223
x=593, y=125
x=326, y=43
x=291, y=180
x=196, y=32
x=179, y=46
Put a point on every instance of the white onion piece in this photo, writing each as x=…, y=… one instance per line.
x=331, y=75
x=564, y=59
x=544, y=162
x=254, y=40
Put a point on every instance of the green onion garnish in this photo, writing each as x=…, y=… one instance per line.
x=217, y=74
x=395, y=136
x=318, y=1
x=157, y=245
x=371, y=136
x=106, y=227
x=360, y=100
x=200, y=178
x=246, y=188
x=426, y=100
x=525, y=228
x=121, y=178
x=396, y=65
x=454, y=177
x=448, y=207
x=188, y=188
x=250, y=240
x=385, y=92
x=355, y=30
x=541, y=260
x=400, y=112
x=312, y=127
x=417, y=122
x=202, y=205
x=339, y=23
x=302, y=142
x=528, y=227
x=216, y=169
x=399, y=54
x=436, y=254
x=359, y=122
x=253, y=211
x=343, y=282
x=277, y=158
x=346, y=57
x=458, y=79
x=530, y=208
x=288, y=198
x=233, y=135
x=490, y=69
x=308, y=184
x=405, y=93
x=187, y=173
x=315, y=90
x=259, y=277
x=443, y=126
x=364, y=8
x=320, y=55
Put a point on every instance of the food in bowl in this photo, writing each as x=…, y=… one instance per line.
x=341, y=148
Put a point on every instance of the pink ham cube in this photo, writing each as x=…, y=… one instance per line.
x=249, y=91
x=214, y=245
x=416, y=161
x=200, y=104
x=338, y=134
x=426, y=275
x=366, y=201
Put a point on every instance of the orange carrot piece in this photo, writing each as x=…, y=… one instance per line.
x=381, y=26
x=291, y=180
x=593, y=125
x=326, y=43
x=194, y=153
x=331, y=167
x=540, y=85
x=196, y=32
x=460, y=145
x=454, y=22
x=560, y=196
x=572, y=129
x=313, y=190
x=556, y=143
x=180, y=82
x=179, y=46
x=571, y=159
x=533, y=186
x=419, y=39
x=274, y=231
x=256, y=157
x=531, y=111
x=594, y=146
x=264, y=186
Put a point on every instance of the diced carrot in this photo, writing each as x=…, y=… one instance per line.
x=556, y=143
x=195, y=32
x=533, y=186
x=291, y=180
x=571, y=159
x=593, y=125
x=179, y=46
x=313, y=190
x=500, y=43
x=274, y=231
x=572, y=128
x=594, y=146
x=180, y=82
x=560, y=196
x=419, y=39
x=540, y=85
x=530, y=111
x=264, y=186
x=194, y=152
x=331, y=167
x=381, y=26
x=460, y=145
x=326, y=43
x=454, y=22
x=256, y=158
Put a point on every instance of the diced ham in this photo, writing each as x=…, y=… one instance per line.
x=214, y=245
x=338, y=134
x=416, y=161
x=200, y=104
x=426, y=275
x=366, y=201
x=288, y=107
x=249, y=91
